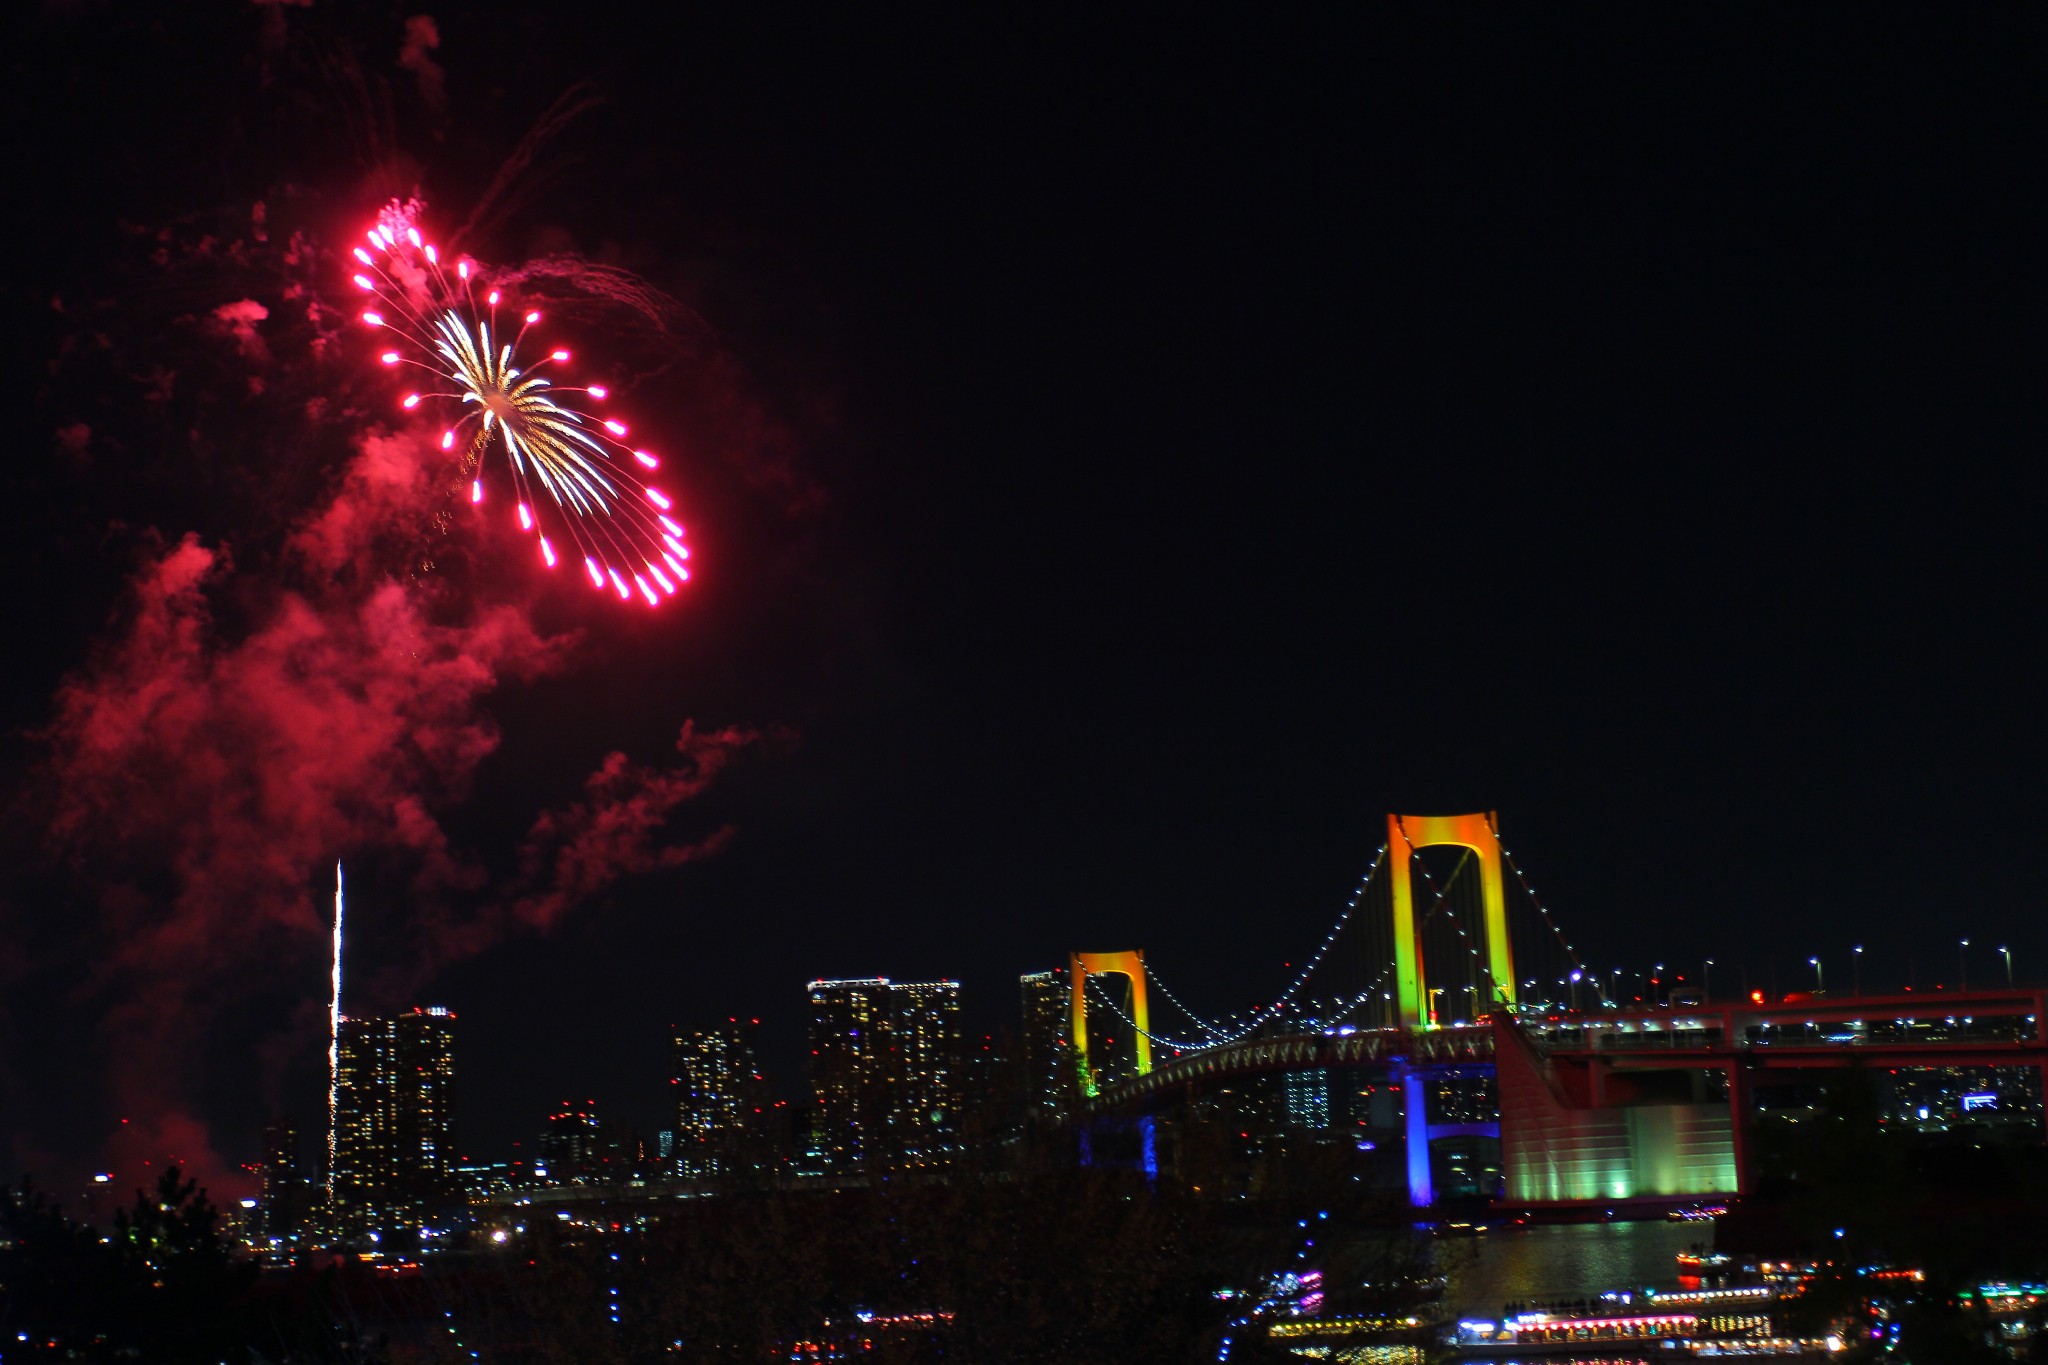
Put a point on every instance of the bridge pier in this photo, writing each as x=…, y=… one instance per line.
x=1119, y=1155
x=1741, y=1096
x=1415, y=1113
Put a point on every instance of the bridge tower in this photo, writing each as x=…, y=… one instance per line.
x=1480, y=832
x=1129, y=964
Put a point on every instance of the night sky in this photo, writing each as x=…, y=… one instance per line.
x=1126, y=458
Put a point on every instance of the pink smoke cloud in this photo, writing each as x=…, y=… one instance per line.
x=235, y=732
x=238, y=321
x=614, y=830
x=422, y=36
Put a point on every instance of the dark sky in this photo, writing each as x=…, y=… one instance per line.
x=1137, y=454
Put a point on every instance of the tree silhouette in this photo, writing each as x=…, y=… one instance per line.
x=162, y=1287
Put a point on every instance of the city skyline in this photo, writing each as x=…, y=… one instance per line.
x=719, y=1075
x=1122, y=465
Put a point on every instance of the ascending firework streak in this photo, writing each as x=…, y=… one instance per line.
x=334, y=1039
x=594, y=498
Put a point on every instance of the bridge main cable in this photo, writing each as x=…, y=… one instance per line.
x=1219, y=1036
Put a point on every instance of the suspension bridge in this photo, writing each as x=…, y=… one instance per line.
x=1447, y=1006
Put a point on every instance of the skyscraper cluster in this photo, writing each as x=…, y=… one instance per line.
x=891, y=1082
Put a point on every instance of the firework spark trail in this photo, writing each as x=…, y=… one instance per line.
x=595, y=500
x=334, y=1039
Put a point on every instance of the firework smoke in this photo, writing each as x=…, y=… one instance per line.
x=203, y=760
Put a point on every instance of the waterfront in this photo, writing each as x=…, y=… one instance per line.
x=1563, y=1261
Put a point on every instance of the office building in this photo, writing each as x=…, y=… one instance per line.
x=885, y=1075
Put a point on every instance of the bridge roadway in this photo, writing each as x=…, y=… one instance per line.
x=1798, y=1032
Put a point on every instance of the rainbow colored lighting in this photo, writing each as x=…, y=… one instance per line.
x=1480, y=832
x=1129, y=964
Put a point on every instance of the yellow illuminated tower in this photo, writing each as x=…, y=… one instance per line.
x=1480, y=832
x=1130, y=965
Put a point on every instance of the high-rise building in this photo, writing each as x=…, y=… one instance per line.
x=285, y=1197
x=723, y=1113
x=394, y=1150
x=885, y=1075
x=574, y=1146
x=1048, y=1053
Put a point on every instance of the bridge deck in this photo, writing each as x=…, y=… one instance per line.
x=1949, y=1028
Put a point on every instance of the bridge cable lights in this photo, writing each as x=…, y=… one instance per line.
x=1279, y=1006
x=1549, y=923
x=1286, y=998
x=1152, y=976
x=1104, y=997
x=1223, y=1038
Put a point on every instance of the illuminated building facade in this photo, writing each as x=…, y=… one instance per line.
x=1048, y=1056
x=284, y=1196
x=578, y=1148
x=572, y=1147
x=885, y=1075
x=1306, y=1097
x=723, y=1111
x=394, y=1152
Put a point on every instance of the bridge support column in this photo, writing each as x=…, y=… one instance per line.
x=1740, y=1098
x=1415, y=1113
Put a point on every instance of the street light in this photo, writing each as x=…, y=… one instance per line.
x=1707, y=983
x=1856, y=967
x=1820, y=984
x=1575, y=989
x=2006, y=953
x=1963, y=965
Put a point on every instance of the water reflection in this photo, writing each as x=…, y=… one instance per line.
x=1578, y=1261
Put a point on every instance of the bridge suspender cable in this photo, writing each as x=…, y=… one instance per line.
x=1549, y=923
